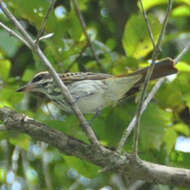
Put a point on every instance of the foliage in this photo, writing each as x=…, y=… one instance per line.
x=120, y=39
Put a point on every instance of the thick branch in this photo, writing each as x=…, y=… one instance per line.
x=136, y=169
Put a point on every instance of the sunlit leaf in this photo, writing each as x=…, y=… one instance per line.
x=5, y=66
x=170, y=139
x=148, y=4
x=181, y=11
x=182, y=128
x=28, y=75
x=85, y=168
x=183, y=66
x=136, y=40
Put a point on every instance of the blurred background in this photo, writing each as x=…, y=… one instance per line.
x=121, y=42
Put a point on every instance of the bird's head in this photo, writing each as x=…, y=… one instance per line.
x=39, y=83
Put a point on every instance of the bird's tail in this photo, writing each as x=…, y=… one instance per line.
x=162, y=68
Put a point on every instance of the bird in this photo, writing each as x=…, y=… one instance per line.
x=95, y=91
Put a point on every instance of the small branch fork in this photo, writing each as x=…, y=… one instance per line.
x=182, y=53
x=135, y=123
x=147, y=78
x=131, y=125
x=27, y=40
x=44, y=22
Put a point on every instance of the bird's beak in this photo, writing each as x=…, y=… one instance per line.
x=26, y=88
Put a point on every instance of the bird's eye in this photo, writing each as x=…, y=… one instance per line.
x=37, y=78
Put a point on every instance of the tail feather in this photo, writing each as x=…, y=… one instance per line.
x=162, y=68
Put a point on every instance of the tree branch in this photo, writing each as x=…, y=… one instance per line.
x=131, y=125
x=44, y=22
x=128, y=165
x=13, y=33
x=182, y=53
x=147, y=79
x=135, y=122
x=148, y=24
x=64, y=90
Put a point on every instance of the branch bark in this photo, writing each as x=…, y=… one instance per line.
x=128, y=164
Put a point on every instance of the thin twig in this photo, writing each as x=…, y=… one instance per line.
x=64, y=90
x=148, y=24
x=138, y=115
x=182, y=53
x=26, y=36
x=80, y=54
x=163, y=30
x=25, y=165
x=84, y=28
x=44, y=22
x=136, y=119
x=6, y=159
x=15, y=158
x=46, y=36
x=13, y=33
x=45, y=168
x=147, y=79
x=131, y=125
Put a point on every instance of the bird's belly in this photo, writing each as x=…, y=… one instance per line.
x=89, y=95
x=91, y=103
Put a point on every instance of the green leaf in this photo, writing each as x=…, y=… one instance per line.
x=136, y=40
x=181, y=11
x=182, y=128
x=180, y=159
x=69, y=126
x=28, y=75
x=148, y=4
x=73, y=25
x=5, y=66
x=153, y=125
x=8, y=43
x=3, y=174
x=85, y=168
x=183, y=66
x=170, y=95
x=163, y=187
x=170, y=139
x=21, y=140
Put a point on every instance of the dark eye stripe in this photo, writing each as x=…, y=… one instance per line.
x=37, y=78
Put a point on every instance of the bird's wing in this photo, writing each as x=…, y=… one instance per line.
x=71, y=77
